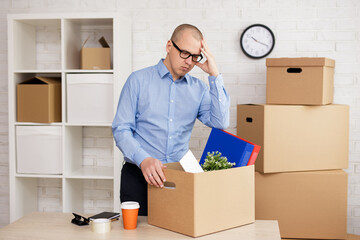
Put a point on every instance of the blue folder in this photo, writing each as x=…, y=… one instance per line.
x=234, y=148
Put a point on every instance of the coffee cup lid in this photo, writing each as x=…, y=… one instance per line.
x=130, y=205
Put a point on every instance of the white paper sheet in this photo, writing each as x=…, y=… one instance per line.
x=190, y=164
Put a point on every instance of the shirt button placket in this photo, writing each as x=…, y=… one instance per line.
x=170, y=145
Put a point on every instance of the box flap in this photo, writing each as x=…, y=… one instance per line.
x=102, y=41
x=300, y=62
x=42, y=80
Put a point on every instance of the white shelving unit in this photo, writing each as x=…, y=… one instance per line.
x=49, y=45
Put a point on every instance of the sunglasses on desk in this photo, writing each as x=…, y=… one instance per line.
x=79, y=220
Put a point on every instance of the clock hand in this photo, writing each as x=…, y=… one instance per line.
x=254, y=39
x=259, y=41
x=263, y=43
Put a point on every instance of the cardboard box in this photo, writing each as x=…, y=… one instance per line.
x=296, y=138
x=202, y=203
x=90, y=98
x=96, y=58
x=39, y=149
x=39, y=100
x=349, y=237
x=306, y=204
x=306, y=81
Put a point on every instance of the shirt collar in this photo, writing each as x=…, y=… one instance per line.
x=163, y=71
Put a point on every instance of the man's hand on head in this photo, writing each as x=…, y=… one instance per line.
x=152, y=171
x=209, y=66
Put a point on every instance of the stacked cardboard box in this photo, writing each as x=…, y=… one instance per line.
x=305, y=140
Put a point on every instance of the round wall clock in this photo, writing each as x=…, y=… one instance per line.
x=257, y=41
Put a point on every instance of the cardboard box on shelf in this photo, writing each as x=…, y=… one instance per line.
x=296, y=138
x=38, y=149
x=96, y=58
x=39, y=100
x=304, y=81
x=306, y=204
x=197, y=204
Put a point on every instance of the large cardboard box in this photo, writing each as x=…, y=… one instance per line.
x=306, y=204
x=39, y=149
x=201, y=203
x=306, y=81
x=96, y=58
x=39, y=100
x=90, y=98
x=296, y=138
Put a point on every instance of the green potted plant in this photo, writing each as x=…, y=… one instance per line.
x=214, y=161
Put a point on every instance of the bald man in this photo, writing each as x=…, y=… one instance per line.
x=157, y=110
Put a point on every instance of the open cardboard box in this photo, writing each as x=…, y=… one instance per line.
x=39, y=100
x=96, y=58
x=197, y=204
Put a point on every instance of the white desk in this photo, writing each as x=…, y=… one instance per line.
x=54, y=226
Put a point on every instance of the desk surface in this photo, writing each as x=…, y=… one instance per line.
x=54, y=226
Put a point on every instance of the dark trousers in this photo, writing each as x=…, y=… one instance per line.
x=133, y=187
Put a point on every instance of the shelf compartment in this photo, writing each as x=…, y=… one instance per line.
x=30, y=195
x=89, y=152
x=77, y=31
x=37, y=44
x=89, y=98
x=88, y=196
x=20, y=78
x=39, y=150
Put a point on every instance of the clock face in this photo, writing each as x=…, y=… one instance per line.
x=257, y=41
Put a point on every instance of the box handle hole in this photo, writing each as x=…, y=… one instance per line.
x=169, y=185
x=294, y=70
x=249, y=119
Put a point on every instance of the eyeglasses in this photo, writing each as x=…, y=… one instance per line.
x=77, y=220
x=186, y=54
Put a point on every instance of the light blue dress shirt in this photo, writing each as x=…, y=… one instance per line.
x=155, y=115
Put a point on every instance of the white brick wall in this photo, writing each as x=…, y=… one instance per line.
x=310, y=28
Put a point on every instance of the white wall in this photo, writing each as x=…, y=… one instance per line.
x=309, y=28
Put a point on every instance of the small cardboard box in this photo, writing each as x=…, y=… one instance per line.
x=89, y=98
x=306, y=204
x=304, y=81
x=38, y=149
x=295, y=137
x=96, y=58
x=202, y=203
x=39, y=100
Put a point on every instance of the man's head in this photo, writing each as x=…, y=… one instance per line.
x=185, y=41
x=195, y=32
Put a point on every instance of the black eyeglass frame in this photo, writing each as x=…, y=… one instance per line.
x=196, y=56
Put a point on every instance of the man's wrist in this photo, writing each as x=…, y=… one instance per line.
x=140, y=156
x=214, y=74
